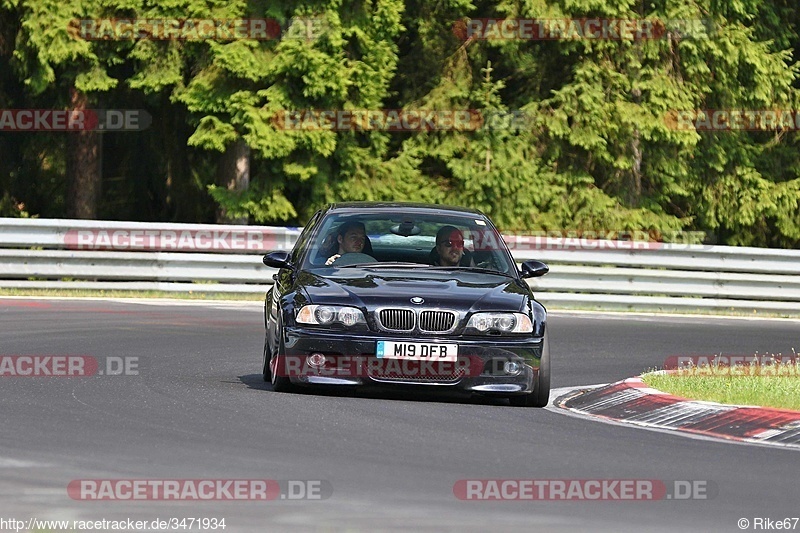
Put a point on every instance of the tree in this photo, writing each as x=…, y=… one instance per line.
x=48, y=57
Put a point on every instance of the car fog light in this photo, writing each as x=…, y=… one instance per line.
x=315, y=359
x=512, y=367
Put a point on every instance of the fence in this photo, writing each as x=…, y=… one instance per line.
x=77, y=254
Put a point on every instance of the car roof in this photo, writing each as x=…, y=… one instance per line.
x=403, y=206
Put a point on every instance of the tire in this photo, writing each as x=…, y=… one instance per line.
x=279, y=383
x=266, y=373
x=540, y=396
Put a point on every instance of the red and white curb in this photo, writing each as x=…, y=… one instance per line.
x=632, y=401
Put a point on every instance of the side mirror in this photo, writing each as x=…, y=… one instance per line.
x=278, y=259
x=534, y=269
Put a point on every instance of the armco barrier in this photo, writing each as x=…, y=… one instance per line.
x=80, y=254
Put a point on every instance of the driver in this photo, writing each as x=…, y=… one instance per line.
x=449, y=249
x=351, y=237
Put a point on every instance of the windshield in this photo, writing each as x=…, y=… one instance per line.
x=424, y=239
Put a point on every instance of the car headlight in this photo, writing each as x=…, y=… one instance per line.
x=325, y=315
x=502, y=322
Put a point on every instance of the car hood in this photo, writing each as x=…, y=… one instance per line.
x=371, y=288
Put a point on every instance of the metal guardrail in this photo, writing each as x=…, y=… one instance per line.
x=80, y=254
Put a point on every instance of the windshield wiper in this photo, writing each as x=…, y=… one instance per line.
x=397, y=264
x=472, y=269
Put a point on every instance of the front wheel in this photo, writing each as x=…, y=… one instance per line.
x=266, y=373
x=540, y=396
x=279, y=383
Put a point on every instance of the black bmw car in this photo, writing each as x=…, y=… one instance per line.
x=406, y=295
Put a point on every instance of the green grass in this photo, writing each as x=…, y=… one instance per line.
x=767, y=386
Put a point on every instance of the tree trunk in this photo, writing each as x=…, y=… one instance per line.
x=636, y=195
x=234, y=172
x=185, y=201
x=84, y=166
x=635, y=192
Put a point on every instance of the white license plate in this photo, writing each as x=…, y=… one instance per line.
x=417, y=351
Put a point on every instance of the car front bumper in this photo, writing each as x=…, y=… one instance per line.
x=350, y=359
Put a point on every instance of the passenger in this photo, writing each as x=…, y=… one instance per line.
x=351, y=237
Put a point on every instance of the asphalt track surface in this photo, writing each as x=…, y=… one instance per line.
x=198, y=409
